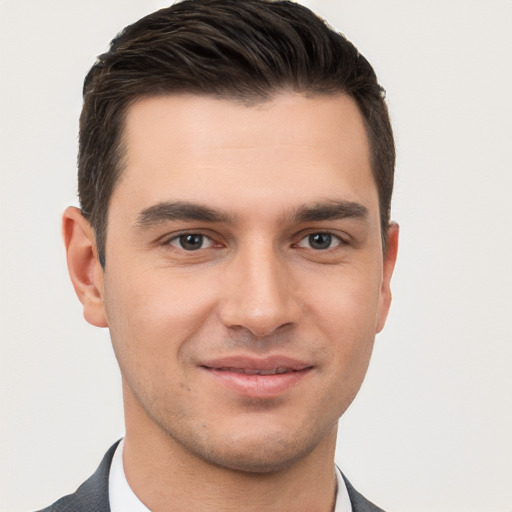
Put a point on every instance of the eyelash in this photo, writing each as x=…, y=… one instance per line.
x=178, y=241
x=331, y=237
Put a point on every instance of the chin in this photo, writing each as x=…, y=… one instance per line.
x=255, y=452
x=263, y=458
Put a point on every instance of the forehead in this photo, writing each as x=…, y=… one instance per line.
x=290, y=149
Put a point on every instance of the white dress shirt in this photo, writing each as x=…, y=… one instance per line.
x=123, y=499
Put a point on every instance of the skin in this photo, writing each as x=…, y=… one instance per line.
x=258, y=287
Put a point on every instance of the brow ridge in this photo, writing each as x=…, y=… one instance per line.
x=331, y=210
x=178, y=210
x=168, y=211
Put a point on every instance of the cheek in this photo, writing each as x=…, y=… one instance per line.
x=346, y=314
x=348, y=302
x=151, y=316
x=348, y=323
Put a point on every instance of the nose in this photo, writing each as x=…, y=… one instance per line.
x=260, y=295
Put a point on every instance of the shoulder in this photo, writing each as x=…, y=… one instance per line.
x=92, y=495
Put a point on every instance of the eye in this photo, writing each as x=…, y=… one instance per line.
x=191, y=241
x=320, y=241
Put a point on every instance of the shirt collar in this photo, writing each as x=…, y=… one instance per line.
x=120, y=494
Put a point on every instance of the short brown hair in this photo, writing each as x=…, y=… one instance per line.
x=244, y=50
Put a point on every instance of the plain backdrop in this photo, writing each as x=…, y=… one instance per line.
x=432, y=427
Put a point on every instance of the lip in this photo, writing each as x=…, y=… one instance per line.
x=243, y=374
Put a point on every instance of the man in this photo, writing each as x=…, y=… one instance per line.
x=235, y=176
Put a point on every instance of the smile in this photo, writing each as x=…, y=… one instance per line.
x=251, y=371
x=257, y=378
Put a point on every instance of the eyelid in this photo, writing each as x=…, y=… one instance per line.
x=208, y=242
x=167, y=239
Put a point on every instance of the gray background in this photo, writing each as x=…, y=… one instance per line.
x=432, y=427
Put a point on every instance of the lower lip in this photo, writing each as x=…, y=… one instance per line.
x=258, y=386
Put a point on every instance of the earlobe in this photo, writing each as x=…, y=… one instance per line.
x=83, y=265
x=388, y=267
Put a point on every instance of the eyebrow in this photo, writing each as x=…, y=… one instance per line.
x=180, y=210
x=332, y=210
x=186, y=211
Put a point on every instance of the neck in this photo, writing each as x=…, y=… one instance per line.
x=166, y=477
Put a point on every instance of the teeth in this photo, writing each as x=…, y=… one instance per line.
x=267, y=372
x=250, y=371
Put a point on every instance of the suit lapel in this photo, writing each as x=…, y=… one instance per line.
x=92, y=495
x=358, y=501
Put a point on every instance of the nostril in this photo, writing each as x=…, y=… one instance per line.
x=259, y=297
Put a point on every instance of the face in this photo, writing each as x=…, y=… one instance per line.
x=244, y=280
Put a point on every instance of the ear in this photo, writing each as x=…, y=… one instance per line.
x=388, y=267
x=83, y=265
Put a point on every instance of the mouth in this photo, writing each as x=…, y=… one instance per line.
x=251, y=371
x=258, y=378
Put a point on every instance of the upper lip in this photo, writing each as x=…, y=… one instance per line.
x=256, y=364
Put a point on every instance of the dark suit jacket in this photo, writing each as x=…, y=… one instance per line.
x=92, y=495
